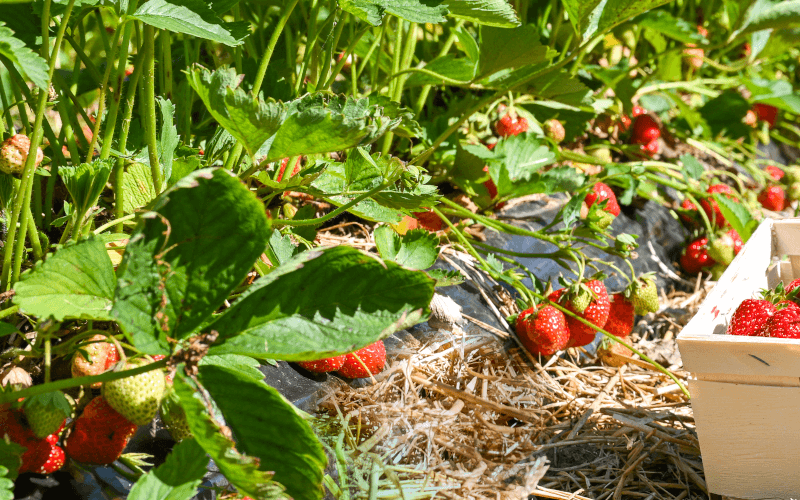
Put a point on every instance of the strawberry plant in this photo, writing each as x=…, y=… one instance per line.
x=167, y=167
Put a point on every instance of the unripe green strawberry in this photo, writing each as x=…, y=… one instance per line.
x=721, y=249
x=792, y=174
x=136, y=398
x=644, y=295
x=602, y=154
x=554, y=130
x=174, y=417
x=794, y=191
x=46, y=413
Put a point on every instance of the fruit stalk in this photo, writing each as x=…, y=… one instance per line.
x=149, y=108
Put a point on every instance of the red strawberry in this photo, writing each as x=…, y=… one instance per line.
x=373, y=356
x=794, y=284
x=285, y=162
x=645, y=130
x=638, y=110
x=773, y=198
x=694, y=56
x=686, y=204
x=711, y=207
x=324, y=365
x=651, y=148
x=508, y=125
x=737, y=241
x=600, y=192
x=766, y=112
x=624, y=122
x=775, y=172
x=695, y=257
x=702, y=31
x=99, y=435
x=543, y=331
x=750, y=318
x=620, y=316
x=429, y=220
x=785, y=323
x=101, y=356
x=490, y=185
x=42, y=455
x=596, y=312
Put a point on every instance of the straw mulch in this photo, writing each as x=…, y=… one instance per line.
x=466, y=413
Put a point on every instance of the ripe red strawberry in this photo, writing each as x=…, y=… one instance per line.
x=99, y=435
x=791, y=286
x=373, y=356
x=101, y=356
x=490, y=185
x=542, y=330
x=766, y=112
x=14, y=153
x=651, y=148
x=638, y=110
x=689, y=219
x=324, y=365
x=737, y=241
x=429, y=220
x=600, y=192
x=645, y=130
x=596, y=312
x=750, y=318
x=284, y=163
x=775, y=172
x=620, y=316
x=624, y=123
x=554, y=130
x=508, y=126
x=695, y=257
x=41, y=456
x=785, y=323
x=773, y=198
x=711, y=207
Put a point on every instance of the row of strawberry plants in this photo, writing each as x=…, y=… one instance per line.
x=198, y=110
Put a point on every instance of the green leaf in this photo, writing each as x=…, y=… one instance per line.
x=7, y=329
x=280, y=248
x=137, y=187
x=591, y=17
x=10, y=458
x=191, y=17
x=343, y=299
x=416, y=11
x=778, y=93
x=241, y=470
x=6, y=484
x=520, y=156
x=674, y=27
x=496, y=13
x=737, y=214
x=449, y=66
x=323, y=122
x=22, y=57
x=362, y=172
x=177, y=478
x=511, y=48
x=445, y=278
x=250, y=120
x=417, y=249
x=771, y=14
x=724, y=115
x=85, y=183
x=75, y=282
x=169, y=136
x=181, y=167
x=691, y=167
x=243, y=365
x=262, y=426
x=367, y=11
x=186, y=256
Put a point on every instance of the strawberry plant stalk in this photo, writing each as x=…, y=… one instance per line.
x=149, y=108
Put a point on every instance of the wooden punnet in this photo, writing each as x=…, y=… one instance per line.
x=746, y=390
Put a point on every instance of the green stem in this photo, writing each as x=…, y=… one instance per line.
x=33, y=235
x=8, y=312
x=423, y=95
x=98, y=121
x=68, y=383
x=15, y=245
x=113, y=110
x=149, y=106
x=116, y=222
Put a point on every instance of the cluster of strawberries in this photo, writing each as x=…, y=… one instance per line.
x=783, y=187
x=544, y=329
x=645, y=131
x=715, y=251
x=775, y=314
x=101, y=432
x=364, y=362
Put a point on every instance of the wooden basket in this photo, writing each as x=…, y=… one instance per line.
x=746, y=390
